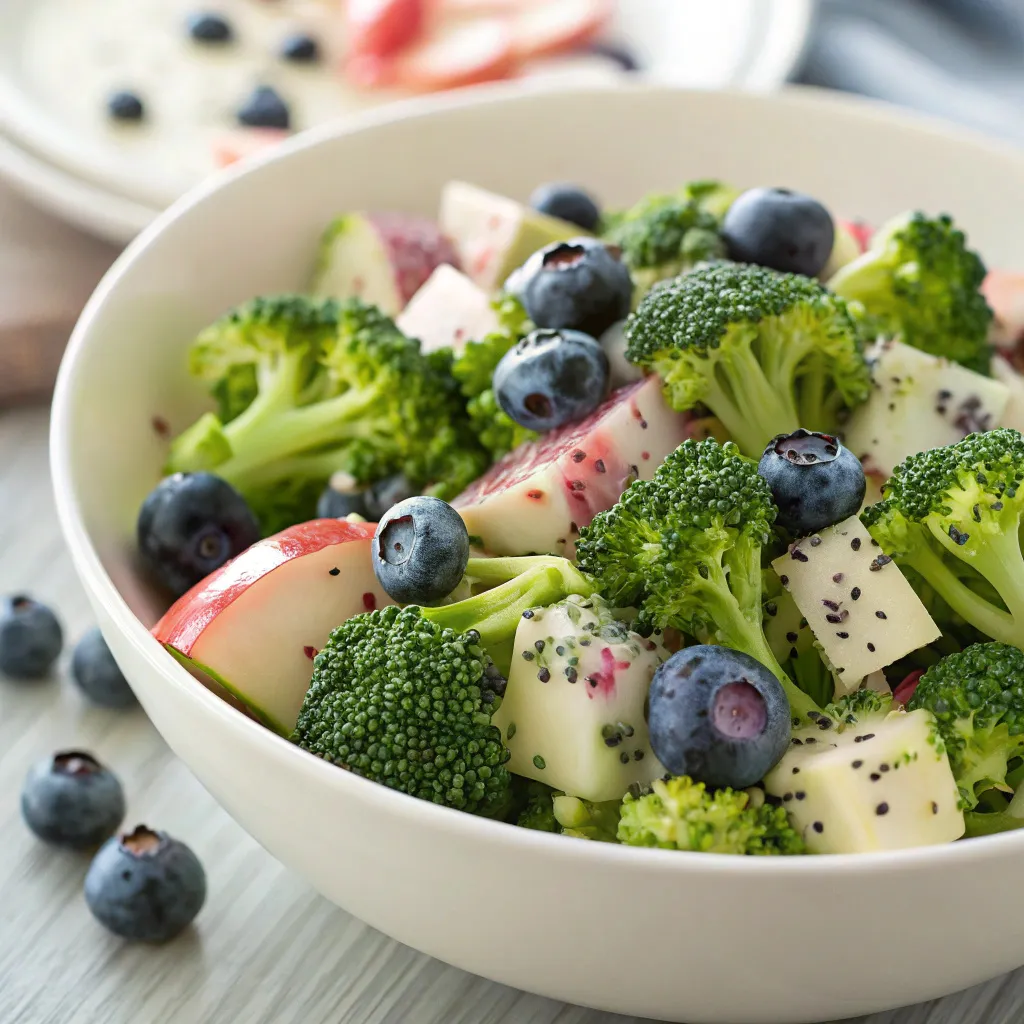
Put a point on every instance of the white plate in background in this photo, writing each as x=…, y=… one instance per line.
x=57, y=69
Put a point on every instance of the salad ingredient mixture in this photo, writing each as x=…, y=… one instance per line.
x=145, y=886
x=695, y=525
x=31, y=638
x=71, y=800
x=97, y=674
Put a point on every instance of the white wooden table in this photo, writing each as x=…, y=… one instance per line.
x=266, y=949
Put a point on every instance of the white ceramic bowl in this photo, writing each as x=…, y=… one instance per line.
x=658, y=934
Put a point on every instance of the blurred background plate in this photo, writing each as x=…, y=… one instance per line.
x=60, y=60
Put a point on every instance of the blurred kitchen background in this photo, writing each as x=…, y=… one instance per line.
x=957, y=59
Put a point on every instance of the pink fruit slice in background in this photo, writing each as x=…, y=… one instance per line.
x=457, y=53
x=244, y=142
x=536, y=499
x=380, y=28
x=251, y=628
x=1004, y=290
x=382, y=258
x=557, y=25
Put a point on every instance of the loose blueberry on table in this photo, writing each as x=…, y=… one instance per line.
x=31, y=638
x=126, y=106
x=210, y=28
x=145, y=886
x=97, y=673
x=264, y=108
x=71, y=800
x=300, y=48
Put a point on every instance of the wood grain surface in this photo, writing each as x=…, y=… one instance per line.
x=266, y=949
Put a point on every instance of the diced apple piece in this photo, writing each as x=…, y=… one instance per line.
x=253, y=626
x=380, y=28
x=382, y=258
x=919, y=402
x=845, y=249
x=864, y=613
x=573, y=711
x=536, y=499
x=494, y=234
x=1013, y=414
x=448, y=311
x=613, y=341
x=557, y=25
x=456, y=54
x=878, y=785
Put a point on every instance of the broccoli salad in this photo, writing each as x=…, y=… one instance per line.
x=695, y=525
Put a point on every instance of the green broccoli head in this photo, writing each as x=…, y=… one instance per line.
x=920, y=283
x=977, y=698
x=685, y=548
x=680, y=814
x=663, y=235
x=474, y=370
x=536, y=805
x=859, y=708
x=407, y=703
x=954, y=516
x=765, y=351
x=308, y=388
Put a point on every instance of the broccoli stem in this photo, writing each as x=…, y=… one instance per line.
x=732, y=628
x=752, y=408
x=495, y=614
x=982, y=614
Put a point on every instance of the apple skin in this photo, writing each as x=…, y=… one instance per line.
x=252, y=627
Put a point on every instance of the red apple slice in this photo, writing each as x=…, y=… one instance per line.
x=557, y=25
x=380, y=28
x=457, y=54
x=252, y=627
x=474, y=7
x=237, y=145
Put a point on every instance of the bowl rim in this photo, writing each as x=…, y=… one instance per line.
x=291, y=757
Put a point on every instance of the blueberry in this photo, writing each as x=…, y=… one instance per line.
x=718, y=716
x=814, y=479
x=780, y=229
x=335, y=504
x=420, y=550
x=70, y=799
x=31, y=638
x=126, y=106
x=551, y=378
x=265, y=109
x=300, y=48
x=97, y=674
x=624, y=57
x=385, y=493
x=191, y=524
x=145, y=886
x=582, y=285
x=210, y=28
x=567, y=202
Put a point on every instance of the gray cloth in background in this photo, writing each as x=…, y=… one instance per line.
x=959, y=59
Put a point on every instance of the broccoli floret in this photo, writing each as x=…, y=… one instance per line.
x=307, y=388
x=920, y=283
x=858, y=707
x=680, y=814
x=954, y=516
x=685, y=548
x=977, y=698
x=405, y=696
x=474, y=369
x=584, y=819
x=537, y=806
x=662, y=236
x=765, y=351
